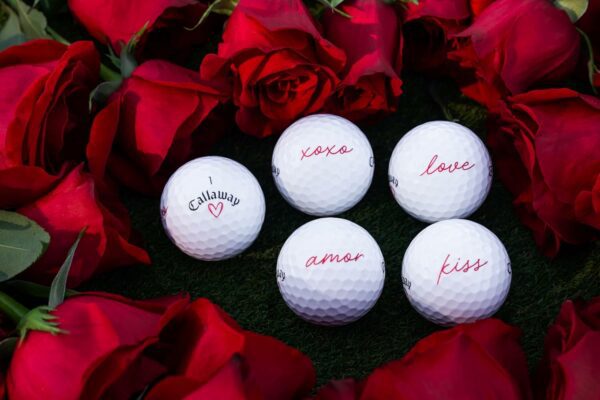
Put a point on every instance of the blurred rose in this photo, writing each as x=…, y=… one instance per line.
x=427, y=28
x=106, y=352
x=278, y=64
x=73, y=204
x=371, y=40
x=513, y=46
x=569, y=369
x=214, y=358
x=114, y=22
x=482, y=360
x=159, y=118
x=545, y=147
x=44, y=118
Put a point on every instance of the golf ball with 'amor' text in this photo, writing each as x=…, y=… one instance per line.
x=212, y=208
x=323, y=164
x=330, y=271
x=440, y=170
x=456, y=271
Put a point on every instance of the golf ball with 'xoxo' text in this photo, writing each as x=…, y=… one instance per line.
x=456, y=271
x=330, y=271
x=440, y=170
x=212, y=208
x=323, y=164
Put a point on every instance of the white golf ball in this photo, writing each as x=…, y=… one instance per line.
x=330, y=271
x=212, y=208
x=323, y=164
x=440, y=170
x=456, y=271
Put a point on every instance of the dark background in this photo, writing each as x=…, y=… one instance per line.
x=247, y=289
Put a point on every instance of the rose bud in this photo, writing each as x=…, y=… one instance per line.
x=104, y=352
x=513, y=46
x=277, y=63
x=224, y=361
x=570, y=368
x=160, y=117
x=470, y=361
x=44, y=118
x=76, y=203
x=114, y=22
x=428, y=26
x=371, y=40
x=545, y=148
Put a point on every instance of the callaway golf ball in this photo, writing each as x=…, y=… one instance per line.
x=212, y=208
x=330, y=271
x=323, y=164
x=440, y=170
x=456, y=271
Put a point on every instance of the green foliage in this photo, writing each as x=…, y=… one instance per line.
x=19, y=23
x=574, y=8
x=223, y=7
x=59, y=283
x=22, y=242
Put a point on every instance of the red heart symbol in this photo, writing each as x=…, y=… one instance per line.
x=215, y=210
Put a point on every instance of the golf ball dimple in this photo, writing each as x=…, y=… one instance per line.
x=456, y=271
x=212, y=208
x=440, y=170
x=323, y=164
x=330, y=271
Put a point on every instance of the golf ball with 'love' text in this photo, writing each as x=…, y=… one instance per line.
x=330, y=271
x=440, y=170
x=212, y=208
x=323, y=164
x=456, y=271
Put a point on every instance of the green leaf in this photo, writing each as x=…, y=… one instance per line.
x=59, y=283
x=22, y=242
x=102, y=92
x=574, y=8
x=223, y=7
x=33, y=22
x=591, y=66
x=51, y=6
x=128, y=63
x=31, y=289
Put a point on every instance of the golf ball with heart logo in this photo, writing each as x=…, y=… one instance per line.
x=440, y=170
x=330, y=271
x=323, y=164
x=456, y=271
x=212, y=208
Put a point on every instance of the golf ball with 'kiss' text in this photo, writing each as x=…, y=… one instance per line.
x=212, y=208
x=330, y=271
x=440, y=170
x=323, y=164
x=456, y=271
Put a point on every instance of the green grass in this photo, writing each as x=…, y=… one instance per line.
x=246, y=286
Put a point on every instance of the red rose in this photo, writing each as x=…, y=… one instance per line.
x=213, y=358
x=482, y=360
x=570, y=367
x=106, y=352
x=427, y=28
x=279, y=65
x=545, y=147
x=513, y=46
x=158, y=119
x=43, y=115
x=114, y=22
x=72, y=205
x=371, y=40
